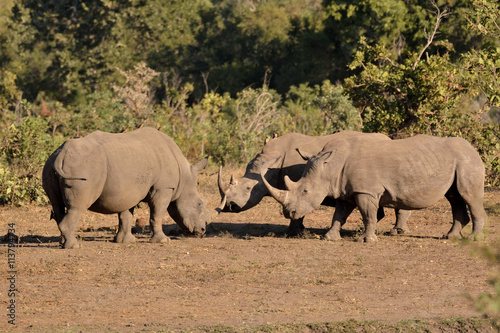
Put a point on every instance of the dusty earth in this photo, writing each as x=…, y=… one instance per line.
x=243, y=273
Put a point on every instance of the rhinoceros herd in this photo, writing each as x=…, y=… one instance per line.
x=111, y=173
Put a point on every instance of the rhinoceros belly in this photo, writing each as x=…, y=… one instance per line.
x=419, y=181
x=122, y=192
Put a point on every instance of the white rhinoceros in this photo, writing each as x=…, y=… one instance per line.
x=284, y=155
x=111, y=173
x=408, y=174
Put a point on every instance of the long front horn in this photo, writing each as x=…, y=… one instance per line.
x=219, y=182
x=222, y=205
x=280, y=195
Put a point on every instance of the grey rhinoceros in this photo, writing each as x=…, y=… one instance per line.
x=408, y=174
x=111, y=173
x=283, y=155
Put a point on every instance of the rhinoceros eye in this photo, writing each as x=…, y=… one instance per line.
x=304, y=191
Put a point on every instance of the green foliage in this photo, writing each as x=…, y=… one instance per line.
x=25, y=148
x=305, y=115
x=489, y=302
x=337, y=109
x=258, y=114
x=103, y=111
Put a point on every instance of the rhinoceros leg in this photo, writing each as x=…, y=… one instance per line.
x=459, y=202
x=479, y=217
x=401, y=218
x=368, y=207
x=296, y=227
x=157, y=207
x=342, y=210
x=459, y=212
x=67, y=227
x=124, y=234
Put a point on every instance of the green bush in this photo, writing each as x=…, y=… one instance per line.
x=25, y=148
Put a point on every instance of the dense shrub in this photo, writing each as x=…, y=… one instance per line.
x=25, y=148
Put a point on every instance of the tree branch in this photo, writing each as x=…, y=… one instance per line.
x=439, y=16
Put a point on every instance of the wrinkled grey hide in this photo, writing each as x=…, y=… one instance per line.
x=407, y=174
x=280, y=157
x=111, y=173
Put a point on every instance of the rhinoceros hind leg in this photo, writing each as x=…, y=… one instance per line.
x=478, y=220
x=401, y=218
x=124, y=234
x=459, y=212
x=67, y=227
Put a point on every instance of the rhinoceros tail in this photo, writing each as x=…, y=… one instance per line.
x=58, y=167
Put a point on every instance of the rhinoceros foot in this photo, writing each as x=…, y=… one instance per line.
x=479, y=236
x=398, y=231
x=160, y=238
x=367, y=238
x=70, y=244
x=452, y=235
x=333, y=235
x=125, y=238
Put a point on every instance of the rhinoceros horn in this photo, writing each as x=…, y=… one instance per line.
x=280, y=195
x=219, y=182
x=222, y=188
x=223, y=191
x=289, y=184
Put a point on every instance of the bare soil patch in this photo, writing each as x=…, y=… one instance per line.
x=245, y=272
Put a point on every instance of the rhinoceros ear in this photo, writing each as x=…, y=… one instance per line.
x=325, y=156
x=305, y=155
x=200, y=165
x=272, y=161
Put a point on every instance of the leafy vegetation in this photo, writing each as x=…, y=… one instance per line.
x=221, y=75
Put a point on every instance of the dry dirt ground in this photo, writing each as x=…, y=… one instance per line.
x=244, y=273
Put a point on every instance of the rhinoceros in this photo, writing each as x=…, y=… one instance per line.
x=408, y=174
x=111, y=173
x=284, y=155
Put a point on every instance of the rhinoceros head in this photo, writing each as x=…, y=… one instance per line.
x=189, y=210
x=249, y=190
x=241, y=195
x=307, y=194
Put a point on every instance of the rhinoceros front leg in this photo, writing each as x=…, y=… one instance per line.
x=368, y=207
x=296, y=227
x=124, y=234
x=67, y=228
x=157, y=207
x=342, y=210
x=401, y=218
